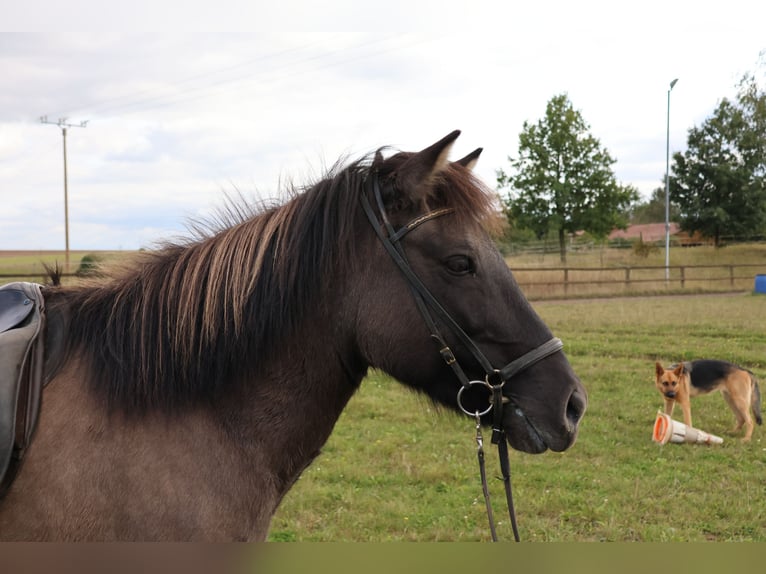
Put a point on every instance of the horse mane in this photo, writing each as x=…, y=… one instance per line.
x=177, y=324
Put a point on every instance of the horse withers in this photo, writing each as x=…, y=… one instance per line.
x=188, y=389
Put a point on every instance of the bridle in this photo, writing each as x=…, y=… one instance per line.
x=430, y=308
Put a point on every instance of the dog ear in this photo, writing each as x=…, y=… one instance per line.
x=658, y=369
x=680, y=370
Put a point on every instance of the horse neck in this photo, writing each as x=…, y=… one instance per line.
x=279, y=415
x=296, y=401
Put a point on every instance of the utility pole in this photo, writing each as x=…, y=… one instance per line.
x=64, y=124
x=667, y=190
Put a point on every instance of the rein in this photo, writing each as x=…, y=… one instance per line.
x=429, y=308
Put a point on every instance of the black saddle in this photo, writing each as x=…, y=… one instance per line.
x=22, y=321
x=15, y=306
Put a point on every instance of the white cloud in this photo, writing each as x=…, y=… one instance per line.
x=176, y=119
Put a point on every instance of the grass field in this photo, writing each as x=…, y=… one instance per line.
x=611, y=257
x=394, y=469
x=30, y=265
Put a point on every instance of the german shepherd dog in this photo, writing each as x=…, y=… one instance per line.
x=678, y=383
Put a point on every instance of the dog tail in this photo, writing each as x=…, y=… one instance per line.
x=755, y=403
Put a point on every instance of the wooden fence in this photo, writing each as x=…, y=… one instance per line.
x=545, y=282
x=550, y=282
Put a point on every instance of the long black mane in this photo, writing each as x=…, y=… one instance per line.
x=177, y=324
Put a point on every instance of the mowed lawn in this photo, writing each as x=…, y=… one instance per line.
x=397, y=469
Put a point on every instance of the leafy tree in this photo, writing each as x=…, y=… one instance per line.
x=653, y=211
x=562, y=179
x=752, y=104
x=719, y=183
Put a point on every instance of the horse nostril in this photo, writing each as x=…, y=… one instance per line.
x=576, y=406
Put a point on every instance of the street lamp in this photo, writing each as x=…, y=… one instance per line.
x=667, y=190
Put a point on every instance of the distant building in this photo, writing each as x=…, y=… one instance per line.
x=655, y=233
x=648, y=232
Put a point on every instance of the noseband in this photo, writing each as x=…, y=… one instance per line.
x=429, y=308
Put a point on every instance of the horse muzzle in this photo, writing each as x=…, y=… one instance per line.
x=533, y=434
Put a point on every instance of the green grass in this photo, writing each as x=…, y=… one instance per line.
x=608, y=257
x=396, y=469
x=30, y=265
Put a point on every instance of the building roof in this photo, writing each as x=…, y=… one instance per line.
x=646, y=231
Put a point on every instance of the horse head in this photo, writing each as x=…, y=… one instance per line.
x=441, y=307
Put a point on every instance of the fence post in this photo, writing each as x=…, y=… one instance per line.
x=627, y=280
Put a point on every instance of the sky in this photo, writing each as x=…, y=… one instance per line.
x=179, y=116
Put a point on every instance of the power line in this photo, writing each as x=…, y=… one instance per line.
x=64, y=124
x=124, y=105
x=208, y=90
x=146, y=95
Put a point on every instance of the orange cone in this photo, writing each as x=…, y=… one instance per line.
x=667, y=430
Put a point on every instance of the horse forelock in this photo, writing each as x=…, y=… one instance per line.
x=180, y=322
x=455, y=187
x=472, y=200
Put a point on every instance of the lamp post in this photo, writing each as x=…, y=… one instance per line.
x=667, y=190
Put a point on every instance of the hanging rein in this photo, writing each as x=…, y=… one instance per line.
x=432, y=310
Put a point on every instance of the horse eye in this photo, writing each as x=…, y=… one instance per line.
x=460, y=265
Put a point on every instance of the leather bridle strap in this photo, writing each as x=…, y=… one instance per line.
x=528, y=359
x=428, y=304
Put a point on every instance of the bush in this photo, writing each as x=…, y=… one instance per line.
x=643, y=249
x=89, y=265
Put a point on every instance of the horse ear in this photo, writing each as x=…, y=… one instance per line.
x=418, y=173
x=469, y=161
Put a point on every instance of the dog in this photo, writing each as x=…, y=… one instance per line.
x=679, y=382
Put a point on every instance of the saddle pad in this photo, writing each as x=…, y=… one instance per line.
x=21, y=361
x=15, y=306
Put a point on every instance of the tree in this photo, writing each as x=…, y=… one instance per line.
x=653, y=211
x=562, y=179
x=752, y=103
x=719, y=183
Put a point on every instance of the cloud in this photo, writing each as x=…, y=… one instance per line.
x=178, y=119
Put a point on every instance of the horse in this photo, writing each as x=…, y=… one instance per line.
x=188, y=389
